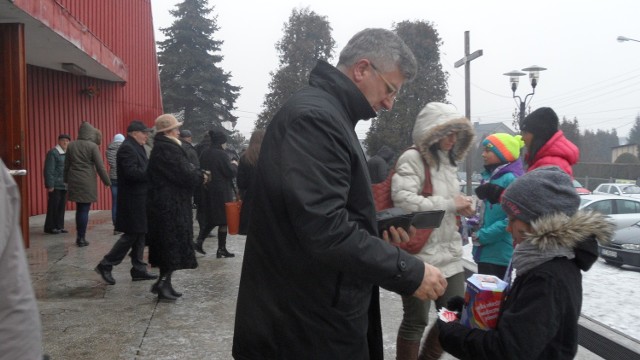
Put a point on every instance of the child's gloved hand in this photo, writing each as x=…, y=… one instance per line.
x=490, y=192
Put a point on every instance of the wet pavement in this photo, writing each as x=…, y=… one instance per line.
x=84, y=318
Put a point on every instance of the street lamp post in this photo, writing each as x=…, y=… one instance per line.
x=624, y=38
x=514, y=78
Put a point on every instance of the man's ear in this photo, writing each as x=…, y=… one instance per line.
x=359, y=70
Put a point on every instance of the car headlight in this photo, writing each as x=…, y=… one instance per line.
x=630, y=246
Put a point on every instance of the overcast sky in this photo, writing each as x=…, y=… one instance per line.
x=590, y=75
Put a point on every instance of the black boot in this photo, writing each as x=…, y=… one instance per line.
x=171, y=289
x=198, y=246
x=222, y=245
x=161, y=287
x=81, y=241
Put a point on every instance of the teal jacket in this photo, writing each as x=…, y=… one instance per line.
x=496, y=244
x=54, y=169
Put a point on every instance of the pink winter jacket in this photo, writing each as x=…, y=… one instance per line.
x=558, y=151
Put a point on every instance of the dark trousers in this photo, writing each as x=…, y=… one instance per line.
x=492, y=269
x=135, y=242
x=82, y=218
x=114, y=202
x=56, y=204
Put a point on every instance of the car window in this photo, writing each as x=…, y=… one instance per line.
x=603, y=188
x=602, y=206
x=613, y=190
x=627, y=207
x=630, y=189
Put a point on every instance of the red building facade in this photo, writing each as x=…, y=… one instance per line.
x=67, y=61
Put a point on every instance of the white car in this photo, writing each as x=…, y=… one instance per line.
x=630, y=190
x=623, y=211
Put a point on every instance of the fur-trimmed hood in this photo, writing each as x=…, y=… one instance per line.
x=437, y=120
x=581, y=232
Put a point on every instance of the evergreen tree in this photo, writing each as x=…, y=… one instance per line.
x=307, y=38
x=634, y=134
x=394, y=128
x=571, y=130
x=192, y=82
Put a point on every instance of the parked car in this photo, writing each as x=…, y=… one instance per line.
x=624, y=248
x=623, y=211
x=580, y=189
x=630, y=190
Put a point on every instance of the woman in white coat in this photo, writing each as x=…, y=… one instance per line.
x=441, y=138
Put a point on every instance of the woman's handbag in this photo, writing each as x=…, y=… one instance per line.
x=232, y=209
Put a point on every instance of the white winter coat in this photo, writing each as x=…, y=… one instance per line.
x=444, y=248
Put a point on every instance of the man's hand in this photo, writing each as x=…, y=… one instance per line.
x=50, y=189
x=433, y=284
x=398, y=235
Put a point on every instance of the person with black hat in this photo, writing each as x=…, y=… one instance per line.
x=211, y=209
x=131, y=217
x=546, y=145
x=187, y=143
x=56, y=188
x=554, y=242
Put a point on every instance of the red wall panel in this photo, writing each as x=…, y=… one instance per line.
x=56, y=103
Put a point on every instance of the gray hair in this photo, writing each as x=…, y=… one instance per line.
x=382, y=47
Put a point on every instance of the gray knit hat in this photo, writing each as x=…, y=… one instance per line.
x=543, y=191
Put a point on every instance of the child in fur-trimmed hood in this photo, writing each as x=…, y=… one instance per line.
x=554, y=242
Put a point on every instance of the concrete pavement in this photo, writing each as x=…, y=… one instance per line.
x=84, y=318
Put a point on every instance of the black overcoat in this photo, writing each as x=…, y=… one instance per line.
x=131, y=167
x=312, y=261
x=244, y=179
x=172, y=180
x=219, y=190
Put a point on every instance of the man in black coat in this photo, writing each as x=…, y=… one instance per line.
x=313, y=260
x=131, y=218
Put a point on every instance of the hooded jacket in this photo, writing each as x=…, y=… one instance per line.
x=558, y=151
x=311, y=261
x=82, y=162
x=538, y=317
x=444, y=247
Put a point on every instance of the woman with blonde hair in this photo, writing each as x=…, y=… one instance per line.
x=246, y=174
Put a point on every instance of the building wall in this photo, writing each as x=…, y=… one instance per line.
x=58, y=101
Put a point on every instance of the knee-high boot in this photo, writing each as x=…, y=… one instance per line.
x=431, y=348
x=407, y=349
x=222, y=245
x=198, y=245
x=162, y=287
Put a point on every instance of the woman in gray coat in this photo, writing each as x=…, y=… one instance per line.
x=82, y=163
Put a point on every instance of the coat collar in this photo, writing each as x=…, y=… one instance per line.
x=333, y=81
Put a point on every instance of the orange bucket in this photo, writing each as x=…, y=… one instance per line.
x=232, y=210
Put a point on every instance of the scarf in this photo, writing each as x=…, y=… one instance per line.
x=526, y=256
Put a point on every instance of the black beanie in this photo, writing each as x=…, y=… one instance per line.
x=543, y=191
x=542, y=123
x=217, y=137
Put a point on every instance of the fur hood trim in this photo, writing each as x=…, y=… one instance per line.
x=560, y=230
x=432, y=133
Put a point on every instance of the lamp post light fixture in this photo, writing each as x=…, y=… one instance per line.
x=624, y=38
x=514, y=78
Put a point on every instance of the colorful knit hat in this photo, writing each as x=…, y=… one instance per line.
x=506, y=147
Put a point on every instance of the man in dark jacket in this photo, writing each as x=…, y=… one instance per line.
x=56, y=188
x=554, y=242
x=131, y=218
x=312, y=260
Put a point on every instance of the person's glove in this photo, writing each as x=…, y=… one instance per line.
x=490, y=192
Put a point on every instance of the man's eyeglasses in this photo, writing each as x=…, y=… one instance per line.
x=391, y=90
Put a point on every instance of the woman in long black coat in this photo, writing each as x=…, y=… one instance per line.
x=211, y=210
x=246, y=174
x=172, y=181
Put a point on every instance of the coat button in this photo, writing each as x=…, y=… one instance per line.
x=403, y=265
